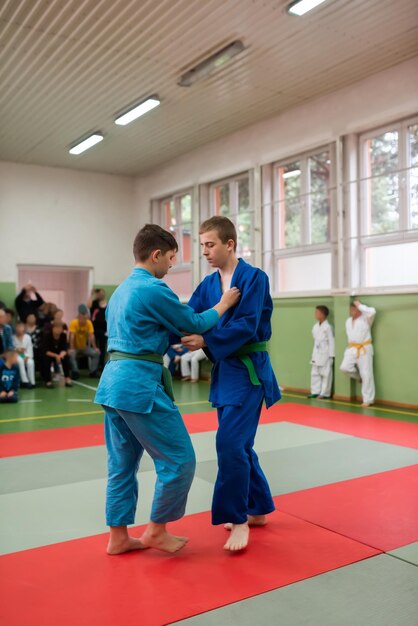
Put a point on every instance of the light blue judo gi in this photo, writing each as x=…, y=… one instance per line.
x=241, y=488
x=139, y=415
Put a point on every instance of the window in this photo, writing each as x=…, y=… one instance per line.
x=231, y=198
x=300, y=220
x=389, y=205
x=174, y=213
x=303, y=200
x=177, y=213
x=389, y=167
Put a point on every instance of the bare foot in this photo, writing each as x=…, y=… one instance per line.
x=163, y=541
x=194, y=380
x=238, y=539
x=186, y=378
x=365, y=404
x=253, y=520
x=127, y=545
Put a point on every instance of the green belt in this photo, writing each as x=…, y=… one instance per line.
x=242, y=355
x=154, y=358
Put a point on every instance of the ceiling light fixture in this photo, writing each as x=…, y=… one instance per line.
x=139, y=109
x=212, y=63
x=300, y=7
x=87, y=143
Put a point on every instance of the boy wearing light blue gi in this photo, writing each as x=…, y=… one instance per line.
x=242, y=378
x=135, y=392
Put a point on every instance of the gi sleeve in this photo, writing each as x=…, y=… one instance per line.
x=16, y=380
x=331, y=342
x=241, y=328
x=369, y=312
x=28, y=346
x=165, y=307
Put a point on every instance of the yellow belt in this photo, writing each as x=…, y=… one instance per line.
x=360, y=346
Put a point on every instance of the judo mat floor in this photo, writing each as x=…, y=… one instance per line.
x=341, y=548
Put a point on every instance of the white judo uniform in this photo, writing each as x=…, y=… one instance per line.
x=190, y=363
x=358, y=357
x=25, y=363
x=322, y=359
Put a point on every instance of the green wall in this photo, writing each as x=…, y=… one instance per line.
x=8, y=294
x=108, y=288
x=395, y=337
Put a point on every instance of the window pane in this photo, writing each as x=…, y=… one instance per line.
x=384, y=204
x=186, y=208
x=395, y=265
x=245, y=234
x=413, y=175
x=186, y=243
x=305, y=273
x=290, y=214
x=243, y=195
x=169, y=213
x=319, y=176
x=222, y=201
x=383, y=184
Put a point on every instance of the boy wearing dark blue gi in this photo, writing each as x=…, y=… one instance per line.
x=242, y=378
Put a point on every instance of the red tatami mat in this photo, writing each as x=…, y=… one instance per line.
x=354, y=424
x=379, y=510
x=375, y=428
x=76, y=583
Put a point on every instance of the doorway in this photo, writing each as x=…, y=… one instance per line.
x=67, y=287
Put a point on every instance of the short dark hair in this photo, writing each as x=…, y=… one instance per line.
x=324, y=309
x=223, y=226
x=152, y=237
x=19, y=323
x=9, y=311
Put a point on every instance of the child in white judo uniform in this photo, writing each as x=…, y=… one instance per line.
x=24, y=348
x=323, y=355
x=190, y=365
x=358, y=357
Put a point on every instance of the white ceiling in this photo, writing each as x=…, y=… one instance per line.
x=68, y=66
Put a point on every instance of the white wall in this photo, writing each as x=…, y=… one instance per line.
x=386, y=96
x=62, y=217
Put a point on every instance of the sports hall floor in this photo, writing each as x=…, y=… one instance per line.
x=341, y=549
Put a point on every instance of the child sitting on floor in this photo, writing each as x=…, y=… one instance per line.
x=9, y=377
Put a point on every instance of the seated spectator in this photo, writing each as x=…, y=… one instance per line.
x=24, y=348
x=10, y=317
x=9, y=377
x=190, y=365
x=97, y=304
x=54, y=351
x=83, y=343
x=34, y=332
x=58, y=316
x=46, y=313
x=6, y=335
x=173, y=358
x=28, y=301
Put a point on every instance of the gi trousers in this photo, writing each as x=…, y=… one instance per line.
x=241, y=489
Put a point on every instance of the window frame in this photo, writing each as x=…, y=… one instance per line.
x=181, y=265
x=233, y=184
x=305, y=248
x=405, y=234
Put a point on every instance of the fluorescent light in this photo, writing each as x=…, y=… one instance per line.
x=212, y=63
x=291, y=174
x=137, y=111
x=300, y=7
x=86, y=143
